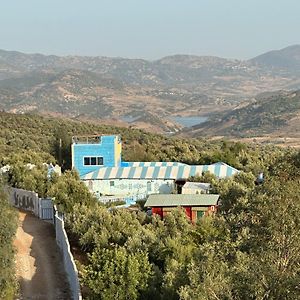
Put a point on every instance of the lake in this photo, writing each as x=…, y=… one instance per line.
x=189, y=121
x=184, y=121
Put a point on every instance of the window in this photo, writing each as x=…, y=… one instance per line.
x=112, y=183
x=99, y=161
x=149, y=186
x=87, y=161
x=93, y=161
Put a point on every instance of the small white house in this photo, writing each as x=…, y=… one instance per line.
x=193, y=188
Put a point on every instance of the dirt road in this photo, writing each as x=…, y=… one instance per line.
x=38, y=261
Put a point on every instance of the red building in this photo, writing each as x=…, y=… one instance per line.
x=196, y=206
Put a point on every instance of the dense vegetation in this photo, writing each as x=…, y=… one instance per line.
x=265, y=115
x=248, y=250
x=35, y=139
x=8, y=226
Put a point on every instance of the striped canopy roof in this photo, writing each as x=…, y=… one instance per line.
x=159, y=170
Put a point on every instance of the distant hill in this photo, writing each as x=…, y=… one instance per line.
x=107, y=89
x=277, y=113
x=287, y=59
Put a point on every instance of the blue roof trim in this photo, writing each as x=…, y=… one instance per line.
x=217, y=169
x=144, y=172
x=193, y=171
x=229, y=171
x=156, y=171
x=131, y=172
x=168, y=172
x=107, y=173
x=119, y=172
x=180, y=172
x=205, y=169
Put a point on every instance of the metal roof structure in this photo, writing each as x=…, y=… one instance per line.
x=196, y=185
x=153, y=164
x=159, y=170
x=167, y=200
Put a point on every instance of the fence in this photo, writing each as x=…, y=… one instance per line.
x=69, y=264
x=27, y=200
x=45, y=210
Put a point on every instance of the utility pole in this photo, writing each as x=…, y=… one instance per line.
x=60, y=152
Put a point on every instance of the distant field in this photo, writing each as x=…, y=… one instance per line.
x=293, y=142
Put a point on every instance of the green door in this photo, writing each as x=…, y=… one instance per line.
x=200, y=214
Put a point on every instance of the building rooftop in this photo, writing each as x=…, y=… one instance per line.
x=159, y=170
x=164, y=200
x=196, y=185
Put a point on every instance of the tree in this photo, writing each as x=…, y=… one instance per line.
x=117, y=274
x=67, y=190
x=8, y=226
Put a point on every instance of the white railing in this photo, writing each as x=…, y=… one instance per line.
x=127, y=199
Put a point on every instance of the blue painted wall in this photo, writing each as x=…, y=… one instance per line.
x=106, y=148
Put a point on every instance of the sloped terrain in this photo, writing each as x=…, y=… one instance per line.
x=268, y=114
x=107, y=89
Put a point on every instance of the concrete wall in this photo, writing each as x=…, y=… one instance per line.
x=129, y=187
x=26, y=200
x=109, y=147
x=69, y=264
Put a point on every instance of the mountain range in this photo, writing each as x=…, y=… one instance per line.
x=147, y=92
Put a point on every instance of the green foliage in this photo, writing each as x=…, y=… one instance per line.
x=67, y=190
x=248, y=250
x=117, y=274
x=8, y=226
x=36, y=139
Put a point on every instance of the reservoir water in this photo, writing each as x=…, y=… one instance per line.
x=184, y=121
x=189, y=121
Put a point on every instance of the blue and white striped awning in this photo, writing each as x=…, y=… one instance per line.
x=153, y=164
x=148, y=171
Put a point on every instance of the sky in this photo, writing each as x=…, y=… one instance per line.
x=149, y=29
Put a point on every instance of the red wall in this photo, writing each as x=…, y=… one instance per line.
x=188, y=211
x=157, y=211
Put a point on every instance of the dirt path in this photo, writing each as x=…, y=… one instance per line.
x=38, y=261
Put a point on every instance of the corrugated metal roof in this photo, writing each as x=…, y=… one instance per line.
x=164, y=200
x=196, y=185
x=159, y=171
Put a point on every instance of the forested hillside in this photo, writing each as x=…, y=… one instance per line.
x=247, y=250
x=36, y=139
x=270, y=113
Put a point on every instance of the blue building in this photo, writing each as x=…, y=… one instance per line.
x=98, y=161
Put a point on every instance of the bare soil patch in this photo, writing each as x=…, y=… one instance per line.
x=39, y=262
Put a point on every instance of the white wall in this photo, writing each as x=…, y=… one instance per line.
x=130, y=187
x=23, y=199
x=69, y=263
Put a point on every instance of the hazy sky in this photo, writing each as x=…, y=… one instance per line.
x=149, y=29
